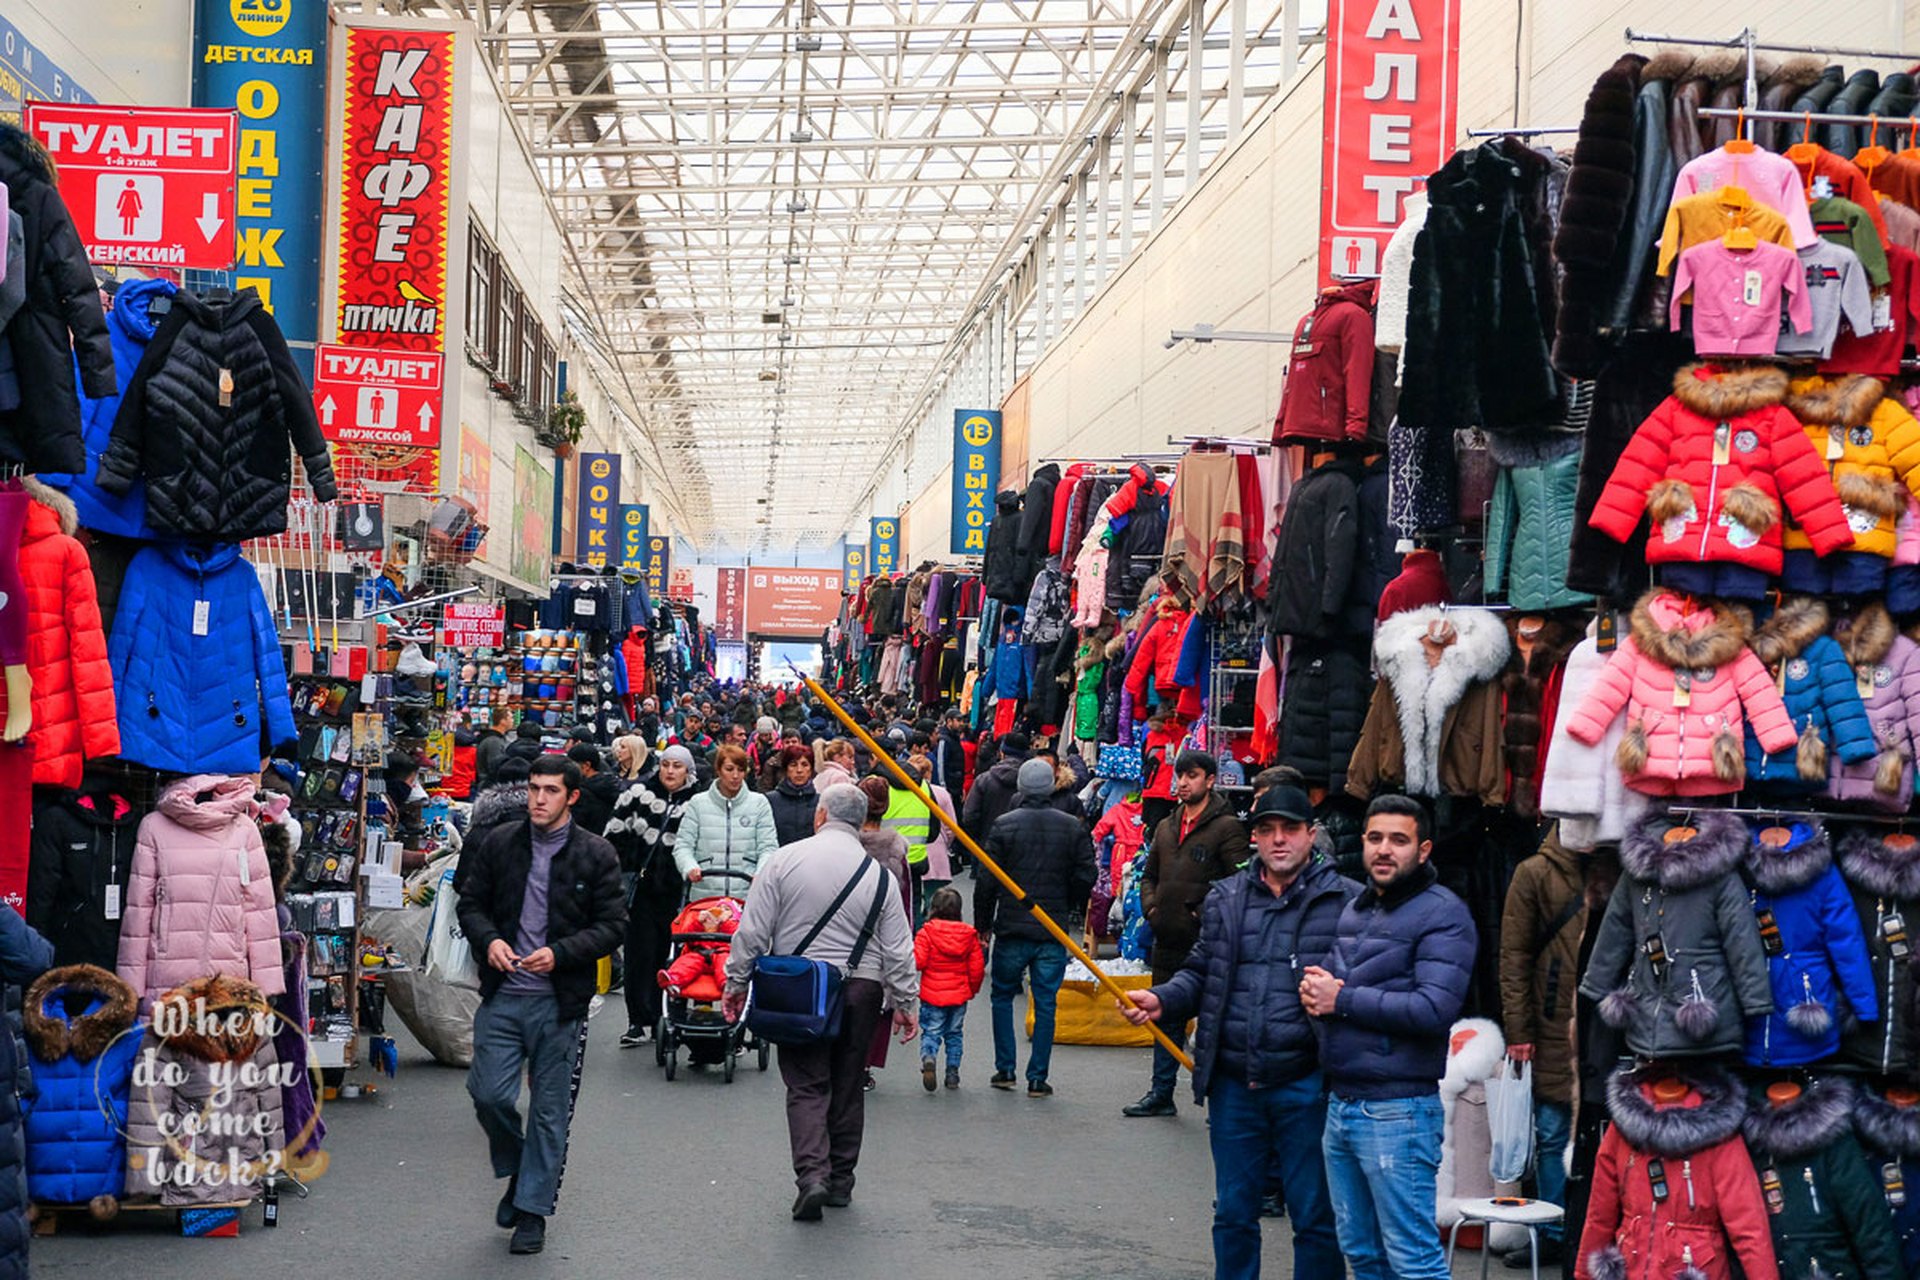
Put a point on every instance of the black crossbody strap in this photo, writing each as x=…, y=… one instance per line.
x=873, y=918
x=833, y=910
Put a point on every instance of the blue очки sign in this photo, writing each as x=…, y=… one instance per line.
x=267, y=58
x=883, y=554
x=633, y=534
x=599, y=499
x=976, y=475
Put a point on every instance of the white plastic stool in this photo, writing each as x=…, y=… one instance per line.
x=1531, y=1214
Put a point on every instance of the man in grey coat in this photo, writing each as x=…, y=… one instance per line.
x=794, y=889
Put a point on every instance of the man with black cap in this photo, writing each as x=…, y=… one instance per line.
x=1049, y=855
x=1256, y=1061
x=1198, y=843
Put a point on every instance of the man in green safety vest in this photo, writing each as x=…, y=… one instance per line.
x=908, y=814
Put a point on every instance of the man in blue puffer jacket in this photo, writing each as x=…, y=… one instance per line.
x=1256, y=1063
x=1386, y=998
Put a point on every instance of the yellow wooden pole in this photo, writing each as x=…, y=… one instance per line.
x=1046, y=922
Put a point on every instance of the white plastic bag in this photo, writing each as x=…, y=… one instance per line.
x=1510, y=1120
x=449, y=958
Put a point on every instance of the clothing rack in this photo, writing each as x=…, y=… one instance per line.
x=1812, y=117
x=1751, y=40
x=1247, y=442
x=1876, y=819
x=1532, y=131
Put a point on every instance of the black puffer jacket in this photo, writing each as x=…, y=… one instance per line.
x=586, y=907
x=1311, y=590
x=994, y=793
x=1833, y=1220
x=79, y=849
x=62, y=300
x=1242, y=977
x=1328, y=690
x=1036, y=513
x=207, y=418
x=1884, y=880
x=1008, y=571
x=793, y=810
x=1047, y=853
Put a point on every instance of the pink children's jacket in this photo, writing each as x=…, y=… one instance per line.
x=1689, y=685
x=1736, y=297
x=200, y=893
x=1771, y=179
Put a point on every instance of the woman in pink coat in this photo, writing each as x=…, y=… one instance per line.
x=1688, y=684
x=200, y=893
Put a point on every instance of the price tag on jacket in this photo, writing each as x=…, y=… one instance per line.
x=1683, y=688
x=113, y=902
x=1722, y=444
x=202, y=611
x=1836, y=443
x=1750, y=287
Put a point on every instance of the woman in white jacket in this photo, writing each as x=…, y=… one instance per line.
x=725, y=828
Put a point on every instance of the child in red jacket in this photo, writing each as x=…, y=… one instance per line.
x=952, y=966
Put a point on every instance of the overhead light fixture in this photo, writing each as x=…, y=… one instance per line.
x=788, y=301
x=791, y=260
x=801, y=135
x=769, y=375
x=807, y=43
x=797, y=205
x=786, y=335
x=769, y=317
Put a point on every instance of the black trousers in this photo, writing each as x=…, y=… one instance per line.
x=826, y=1093
x=648, y=928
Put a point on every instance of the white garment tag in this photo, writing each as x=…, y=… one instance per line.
x=201, y=611
x=1750, y=289
x=113, y=902
x=583, y=607
x=1822, y=187
x=1882, y=311
x=246, y=873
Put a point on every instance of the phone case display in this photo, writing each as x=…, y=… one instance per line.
x=206, y=420
x=59, y=326
x=82, y=1047
x=1817, y=687
x=1679, y=961
x=1674, y=1193
x=231, y=1062
x=1689, y=688
x=1434, y=723
x=1824, y=1205
x=200, y=894
x=1882, y=871
x=80, y=865
x=1886, y=671
x=1816, y=955
x=1887, y=1122
x=201, y=684
x=73, y=701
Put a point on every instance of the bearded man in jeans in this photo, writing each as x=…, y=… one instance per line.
x=1391, y=988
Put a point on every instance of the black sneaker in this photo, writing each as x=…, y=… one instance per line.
x=869, y=1084
x=633, y=1037
x=529, y=1234
x=953, y=1077
x=505, y=1216
x=1002, y=1080
x=927, y=1076
x=1039, y=1089
x=1153, y=1104
x=838, y=1198
x=806, y=1207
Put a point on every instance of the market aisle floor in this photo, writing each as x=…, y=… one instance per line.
x=666, y=1179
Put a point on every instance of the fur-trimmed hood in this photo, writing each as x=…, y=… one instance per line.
x=223, y=1037
x=1794, y=1130
x=1845, y=401
x=1423, y=695
x=1805, y=859
x=1795, y=624
x=1717, y=846
x=499, y=803
x=1867, y=861
x=55, y=501
x=1800, y=72
x=1865, y=637
x=1727, y=391
x=1711, y=1113
x=1711, y=635
x=1476, y=1060
x=1885, y=1128
x=21, y=150
x=77, y=1010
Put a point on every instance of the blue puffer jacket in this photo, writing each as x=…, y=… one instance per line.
x=1817, y=686
x=195, y=700
x=1009, y=659
x=82, y=1043
x=1406, y=959
x=1242, y=978
x=130, y=325
x=1821, y=954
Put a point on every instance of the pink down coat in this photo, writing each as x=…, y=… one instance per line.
x=1689, y=685
x=200, y=893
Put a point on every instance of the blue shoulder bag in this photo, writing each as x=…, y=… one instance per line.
x=796, y=1001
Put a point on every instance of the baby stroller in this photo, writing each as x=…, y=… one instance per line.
x=700, y=935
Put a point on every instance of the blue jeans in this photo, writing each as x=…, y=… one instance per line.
x=1383, y=1155
x=1552, y=1122
x=942, y=1022
x=1166, y=1067
x=1255, y=1134
x=1043, y=964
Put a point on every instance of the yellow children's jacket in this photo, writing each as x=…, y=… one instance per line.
x=1872, y=449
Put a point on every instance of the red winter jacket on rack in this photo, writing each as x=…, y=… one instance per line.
x=634, y=651
x=1330, y=376
x=1711, y=467
x=1159, y=655
x=73, y=707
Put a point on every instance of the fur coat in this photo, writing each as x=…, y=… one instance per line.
x=1599, y=196
x=1435, y=730
x=1523, y=689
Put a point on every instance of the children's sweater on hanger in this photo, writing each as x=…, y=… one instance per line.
x=1836, y=287
x=1737, y=296
x=1771, y=179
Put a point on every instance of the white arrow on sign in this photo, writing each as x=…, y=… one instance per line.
x=326, y=412
x=426, y=415
x=210, y=220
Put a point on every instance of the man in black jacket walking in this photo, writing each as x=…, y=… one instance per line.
x=540, y=903
x=1256, y=1063
x=1050, y=855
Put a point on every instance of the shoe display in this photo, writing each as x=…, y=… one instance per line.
x=927, y=1074
x=806, y=1207
x=1002, y=1080
x=529, y=1234
x=1153, y=1104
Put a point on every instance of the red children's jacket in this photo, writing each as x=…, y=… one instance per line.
x=951, y=961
